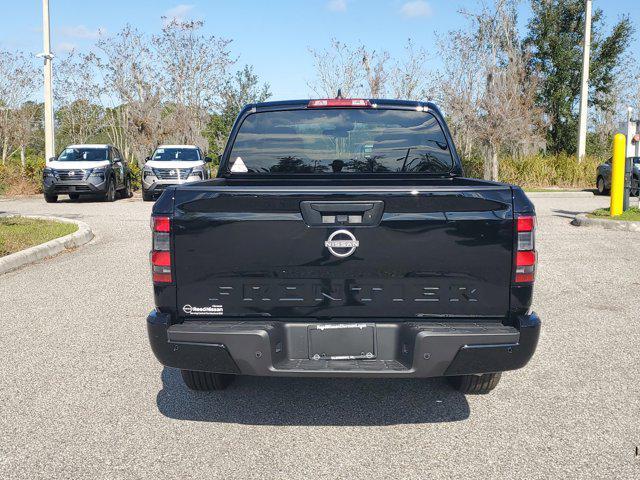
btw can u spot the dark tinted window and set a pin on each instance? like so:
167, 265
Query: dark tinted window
174, 154
83, 154
341, 141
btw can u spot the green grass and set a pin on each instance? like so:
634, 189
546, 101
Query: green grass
631, 215
17, 233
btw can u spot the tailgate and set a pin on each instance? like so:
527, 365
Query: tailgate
412, 252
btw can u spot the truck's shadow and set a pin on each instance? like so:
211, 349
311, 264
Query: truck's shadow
318, 401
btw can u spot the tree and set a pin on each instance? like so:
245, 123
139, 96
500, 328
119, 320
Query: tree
409, 76
244, 88
338, 67
487, 92
79, 117
26, 123
18, 83
359, 71
192, 72
131, 86
375, 71
554, 41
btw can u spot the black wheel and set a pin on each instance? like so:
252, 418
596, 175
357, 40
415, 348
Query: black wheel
147, 197
602, 189
126, 192
635, 187
204, 381
110, 196
475, 384
50, 198
74, 196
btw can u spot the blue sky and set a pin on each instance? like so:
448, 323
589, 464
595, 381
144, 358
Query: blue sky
272, 35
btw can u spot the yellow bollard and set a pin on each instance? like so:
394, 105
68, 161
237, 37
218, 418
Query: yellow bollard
617, 173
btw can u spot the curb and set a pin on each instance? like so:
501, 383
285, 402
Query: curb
47, 249
559, 194
581, 220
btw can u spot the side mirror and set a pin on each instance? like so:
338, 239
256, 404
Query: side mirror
208, 159
52, 159
147, 159
220, 159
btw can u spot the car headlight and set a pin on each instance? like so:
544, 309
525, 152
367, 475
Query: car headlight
147, 172
47, 172
98, 172
197, 173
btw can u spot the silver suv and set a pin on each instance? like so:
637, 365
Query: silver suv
172, 165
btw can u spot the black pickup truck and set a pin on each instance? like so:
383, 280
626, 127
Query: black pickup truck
340, 239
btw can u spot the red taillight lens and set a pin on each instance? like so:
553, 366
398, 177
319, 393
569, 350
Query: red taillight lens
161, 224
525, 266
339, 103
526, 255
161, 253
526, 224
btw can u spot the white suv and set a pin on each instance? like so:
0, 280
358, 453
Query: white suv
171, 165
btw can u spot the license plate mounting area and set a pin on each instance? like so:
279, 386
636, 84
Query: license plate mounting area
344, 341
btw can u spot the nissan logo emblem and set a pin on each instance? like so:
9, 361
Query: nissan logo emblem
342, 243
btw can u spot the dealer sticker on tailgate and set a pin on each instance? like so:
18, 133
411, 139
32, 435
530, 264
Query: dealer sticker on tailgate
209, 310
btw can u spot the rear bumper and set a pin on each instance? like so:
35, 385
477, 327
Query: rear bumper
403, 349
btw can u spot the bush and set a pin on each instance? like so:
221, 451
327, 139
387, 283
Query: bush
136, 175
535, 171
14, 182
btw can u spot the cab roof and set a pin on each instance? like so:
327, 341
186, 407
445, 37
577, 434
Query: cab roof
378, 102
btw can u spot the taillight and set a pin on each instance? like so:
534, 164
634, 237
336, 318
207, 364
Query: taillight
526, 246
339, 103
161, 250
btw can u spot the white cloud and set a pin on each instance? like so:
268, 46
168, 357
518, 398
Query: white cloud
337, 5
177, 13
416, 8
82, 32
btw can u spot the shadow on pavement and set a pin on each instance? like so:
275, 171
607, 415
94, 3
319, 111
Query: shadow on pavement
566, 213
314, 401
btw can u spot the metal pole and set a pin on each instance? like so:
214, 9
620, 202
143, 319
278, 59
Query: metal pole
49, 139
584, 87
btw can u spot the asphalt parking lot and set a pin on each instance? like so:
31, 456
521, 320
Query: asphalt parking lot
81, 395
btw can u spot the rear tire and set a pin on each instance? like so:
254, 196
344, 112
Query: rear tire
475, 384
635, 187
74, 196
147, 197
51, 198
206, 381
126, 192
600, 185
110, 195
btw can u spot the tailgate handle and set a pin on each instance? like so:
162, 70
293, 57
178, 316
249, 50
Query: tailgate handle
327, 214
335, 207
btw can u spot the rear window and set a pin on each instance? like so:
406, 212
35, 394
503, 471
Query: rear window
341, 141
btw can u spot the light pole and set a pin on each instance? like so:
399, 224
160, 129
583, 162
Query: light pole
49, 138
584, 87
